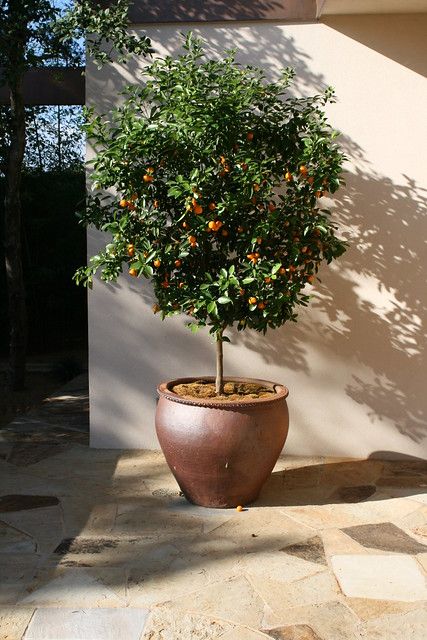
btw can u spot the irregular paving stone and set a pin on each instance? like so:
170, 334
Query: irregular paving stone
23, 455
17, 572
166, 624
86, 545
234, 600
311, 550
26, 502
281, 597
14, 541
404, 473
14, 621
367, 609
330, 620
87, 624
385, 536
294, 632
380, 577
407, 626
74, 588
353, 494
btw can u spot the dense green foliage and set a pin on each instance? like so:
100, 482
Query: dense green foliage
218, 175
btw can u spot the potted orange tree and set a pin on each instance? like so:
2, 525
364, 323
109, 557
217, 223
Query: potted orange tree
217, 175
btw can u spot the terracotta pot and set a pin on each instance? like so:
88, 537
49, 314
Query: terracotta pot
221, 453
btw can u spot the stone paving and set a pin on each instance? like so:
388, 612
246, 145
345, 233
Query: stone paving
99, 545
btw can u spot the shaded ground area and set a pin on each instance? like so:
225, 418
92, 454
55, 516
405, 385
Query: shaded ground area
45, 374
98, 544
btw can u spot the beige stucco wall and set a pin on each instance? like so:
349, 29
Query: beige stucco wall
355, 364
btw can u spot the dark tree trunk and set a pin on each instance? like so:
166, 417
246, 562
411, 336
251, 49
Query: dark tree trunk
12, 239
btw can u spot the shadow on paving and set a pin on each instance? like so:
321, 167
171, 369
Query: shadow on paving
80, 524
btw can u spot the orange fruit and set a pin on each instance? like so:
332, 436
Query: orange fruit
282, 271
185, 225
304, 250
288, 176
256, 187
244, 166
310, 279
131, 250
267, 280
218, 225
212, 206
252, 300
212, 225
157, 263
224, 233
240, 229
147, 178
165, 284
310, 180
319, 194
303, 170
271, 207
242, 292
180, 285
198, 210
222, 160
239, 508
133, 273
192, 239
249, 136
178, 263
259, 240
155, 308
261, 305
156, 204
150, 170
123, 203
287, 223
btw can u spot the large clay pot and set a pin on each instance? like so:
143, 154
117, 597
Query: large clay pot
221, 453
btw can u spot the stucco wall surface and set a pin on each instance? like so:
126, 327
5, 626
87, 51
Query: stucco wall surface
355, 363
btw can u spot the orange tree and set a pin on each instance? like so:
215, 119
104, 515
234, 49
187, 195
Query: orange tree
217, 175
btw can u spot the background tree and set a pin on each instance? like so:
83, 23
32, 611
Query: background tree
219, 176
35, 33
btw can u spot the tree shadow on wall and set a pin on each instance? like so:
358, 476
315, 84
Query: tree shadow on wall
265, 44
370, 308
211, 10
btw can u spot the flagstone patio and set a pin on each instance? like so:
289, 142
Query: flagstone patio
99, 545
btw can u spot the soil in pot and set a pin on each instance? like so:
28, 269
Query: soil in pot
233, 391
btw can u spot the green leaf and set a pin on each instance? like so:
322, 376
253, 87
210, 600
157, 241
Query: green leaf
212, 308
224, 300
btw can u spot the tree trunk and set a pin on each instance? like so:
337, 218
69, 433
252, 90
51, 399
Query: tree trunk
12, 239
219, 380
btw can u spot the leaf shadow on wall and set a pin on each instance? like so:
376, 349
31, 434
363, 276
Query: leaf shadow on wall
370, 309
213, 10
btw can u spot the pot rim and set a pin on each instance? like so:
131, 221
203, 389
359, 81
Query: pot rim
164, 390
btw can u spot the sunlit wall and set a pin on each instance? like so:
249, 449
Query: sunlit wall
355, 363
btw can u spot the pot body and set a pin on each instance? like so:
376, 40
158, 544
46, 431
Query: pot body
221, 453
